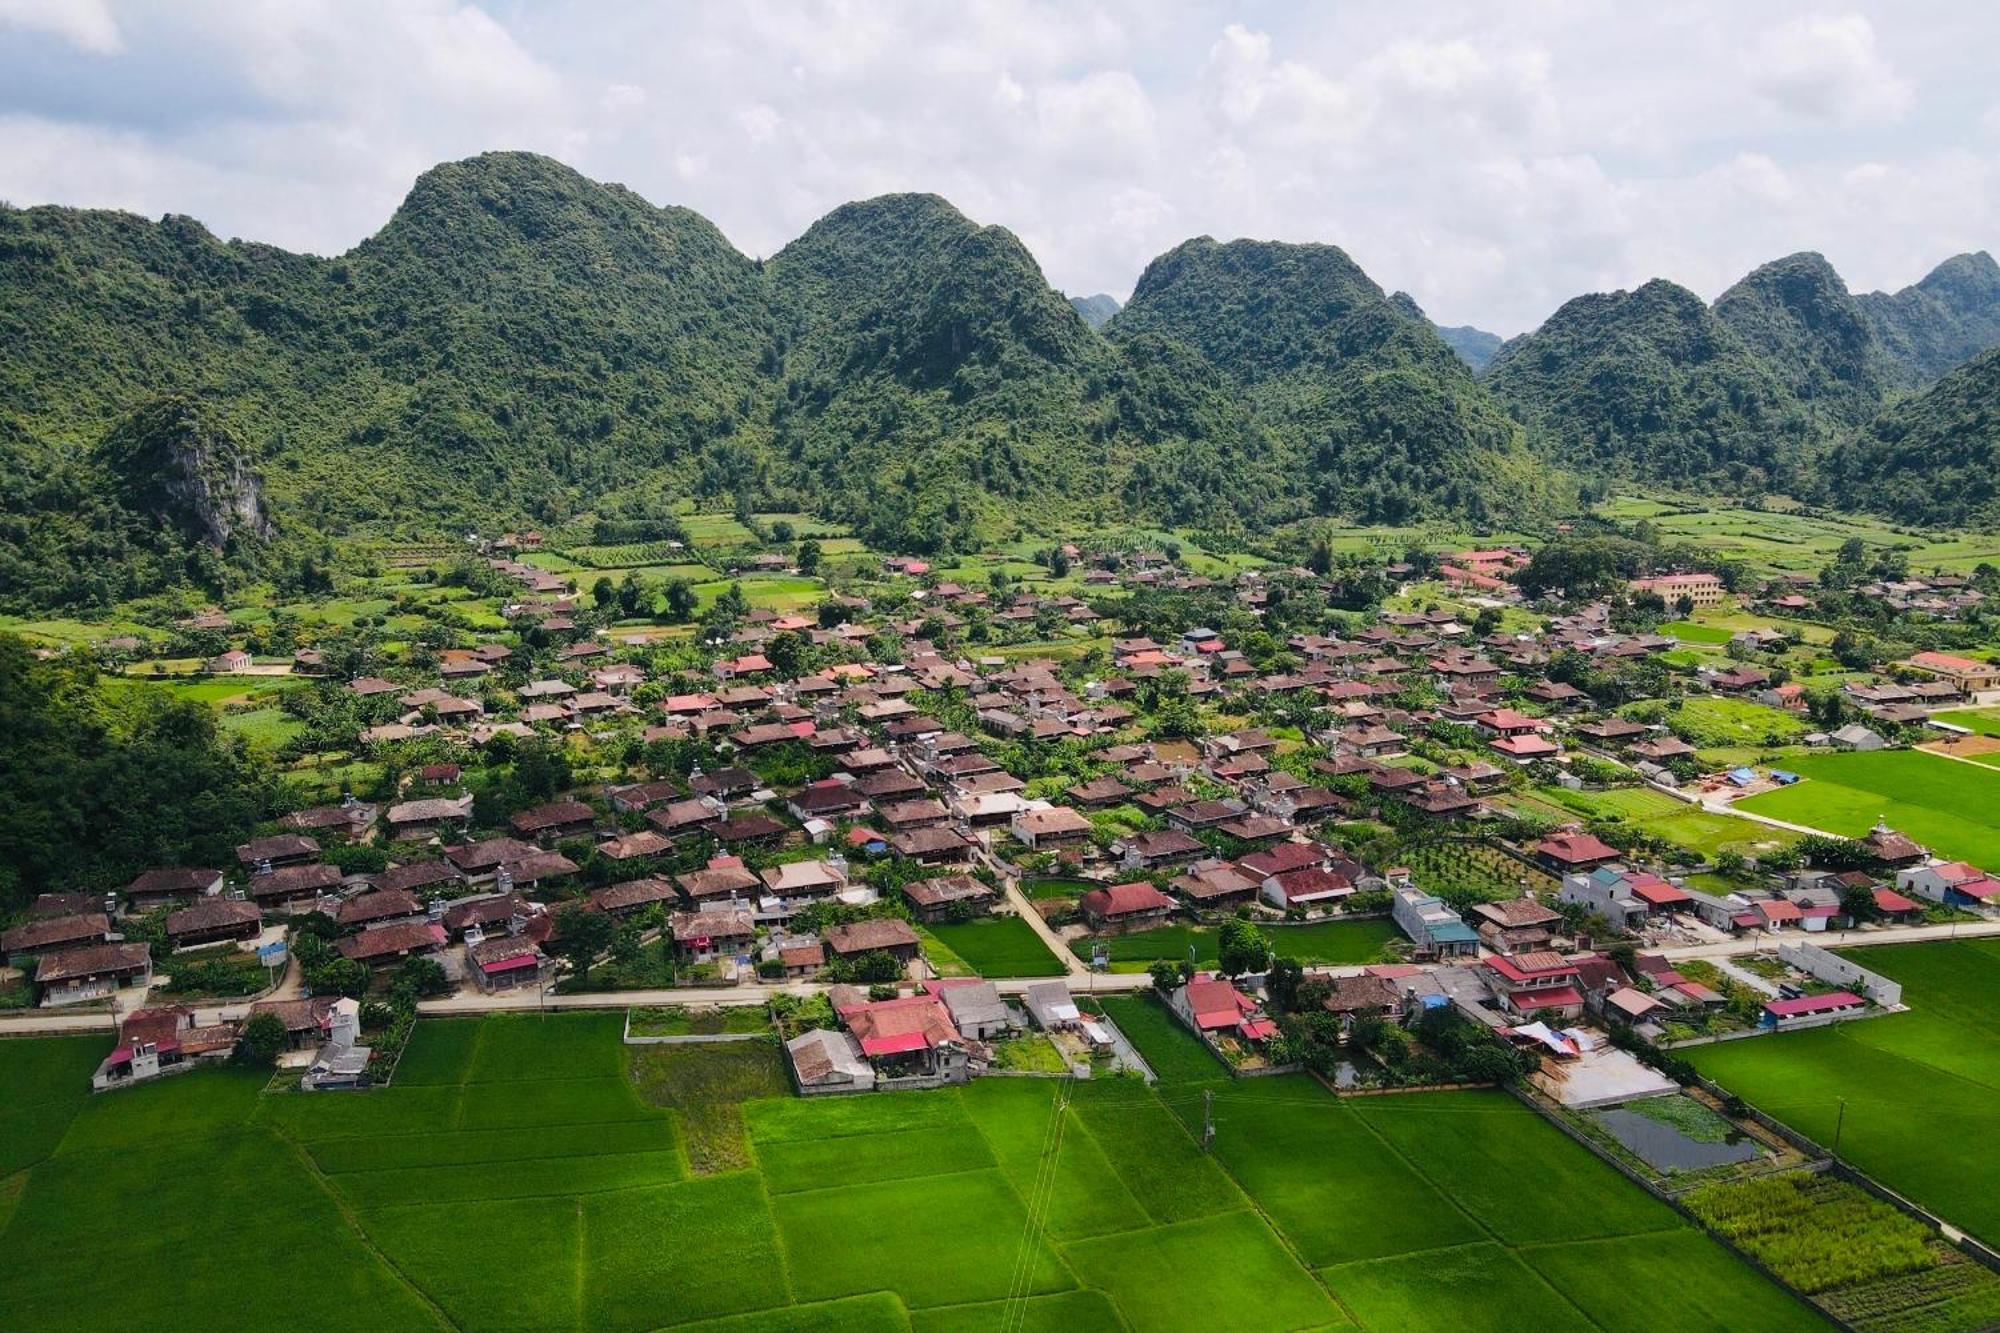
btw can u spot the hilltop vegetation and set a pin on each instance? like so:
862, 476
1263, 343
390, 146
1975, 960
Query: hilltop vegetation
1651, 385
1375, 416
1934, 458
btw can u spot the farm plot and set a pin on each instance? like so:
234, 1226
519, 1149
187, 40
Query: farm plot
1860, 1258
1329, 942
1952, 808
1001, 946
1887, 1084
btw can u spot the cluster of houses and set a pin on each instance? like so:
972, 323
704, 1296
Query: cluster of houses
943, 1032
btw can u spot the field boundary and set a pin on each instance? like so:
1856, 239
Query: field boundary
1970, 1245
1672, 1200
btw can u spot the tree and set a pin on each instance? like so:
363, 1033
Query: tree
581, 936
603, 592
338, 976
262, 1039
1166, 976
808, 557
1241, 947
681, 600
1283, 982
421, 977
1857, 903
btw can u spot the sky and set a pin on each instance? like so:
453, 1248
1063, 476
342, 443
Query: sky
1492, 159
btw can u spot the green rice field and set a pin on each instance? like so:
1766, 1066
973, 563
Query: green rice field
1950, 807
1328, 942
530, 1172
1912, 1084
1000, 946
1662, 816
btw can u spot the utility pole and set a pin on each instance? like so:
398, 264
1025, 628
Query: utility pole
1839, 1123
1207, 1118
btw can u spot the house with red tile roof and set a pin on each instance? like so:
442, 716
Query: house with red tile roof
1213, 1007
1133, 906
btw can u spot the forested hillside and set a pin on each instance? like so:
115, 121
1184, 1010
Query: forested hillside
1797, 315
1378, 417
1937, 324
1931, 459
1652, 386
519, 344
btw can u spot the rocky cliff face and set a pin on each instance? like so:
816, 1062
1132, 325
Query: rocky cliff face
177, 464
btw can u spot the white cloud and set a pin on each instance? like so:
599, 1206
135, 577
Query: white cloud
1830, 68
1492, 161
87, 24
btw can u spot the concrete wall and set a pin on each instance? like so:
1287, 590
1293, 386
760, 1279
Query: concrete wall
1837, 971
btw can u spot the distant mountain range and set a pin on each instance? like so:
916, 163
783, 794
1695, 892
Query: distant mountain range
1096, 310
520, 344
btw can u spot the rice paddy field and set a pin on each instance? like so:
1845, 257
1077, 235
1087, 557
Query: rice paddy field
530, 1172
1796, 542
1916, 1086
1953, 808
1001, 946
1703, 832
1328, 942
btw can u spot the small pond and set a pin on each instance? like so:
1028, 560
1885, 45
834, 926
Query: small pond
1668, 1147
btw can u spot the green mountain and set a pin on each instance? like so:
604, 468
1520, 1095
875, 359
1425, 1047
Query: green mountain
1797, 315
1952, 315
516, 342
931, 376
1367, 407
1652, 386
1096, 310
1933, 458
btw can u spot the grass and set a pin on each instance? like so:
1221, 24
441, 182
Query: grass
1661, 816
1952, 808
1167, 1047
1031, 1052
1000, 946
1712, 721
530, 1173
680, 1021
1981, 721
1901, 1079
706, 1085
1043, 889
1328, 942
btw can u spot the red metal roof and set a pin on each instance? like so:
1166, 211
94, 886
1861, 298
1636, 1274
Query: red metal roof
1812, 1004
1546, 999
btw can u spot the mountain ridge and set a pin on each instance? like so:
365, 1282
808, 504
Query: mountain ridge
520, 344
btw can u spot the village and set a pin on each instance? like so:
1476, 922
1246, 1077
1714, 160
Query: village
803, 816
